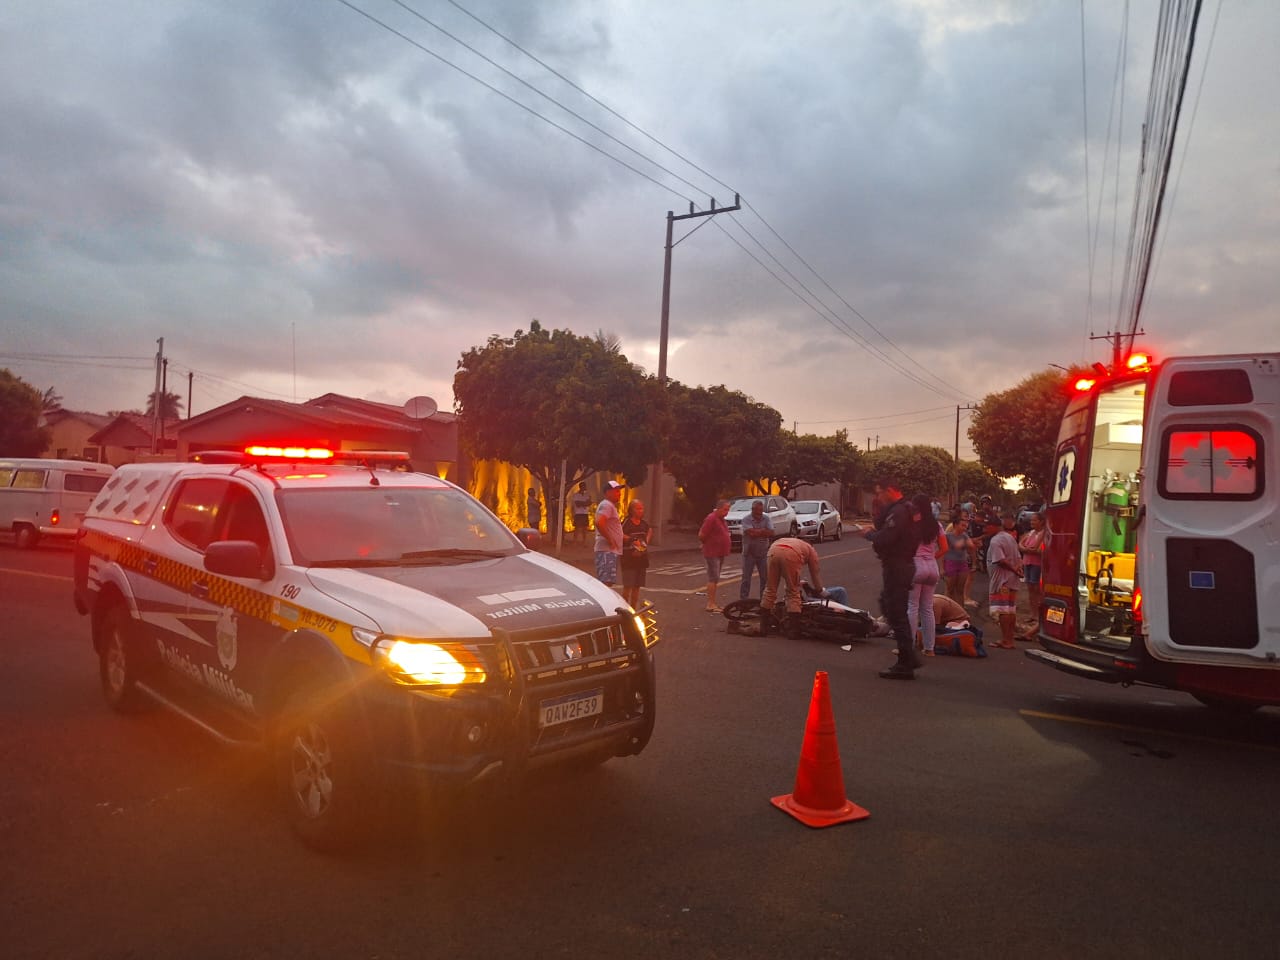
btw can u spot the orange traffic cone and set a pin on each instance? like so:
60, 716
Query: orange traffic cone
819, 799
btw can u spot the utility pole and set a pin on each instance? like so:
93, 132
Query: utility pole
657, 498
955, 465
1116, 339
155, 413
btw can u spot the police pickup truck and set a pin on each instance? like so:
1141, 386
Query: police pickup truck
366, 625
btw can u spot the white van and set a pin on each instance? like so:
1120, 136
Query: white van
47, 498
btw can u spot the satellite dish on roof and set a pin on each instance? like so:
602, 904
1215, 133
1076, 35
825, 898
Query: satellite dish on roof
419, 408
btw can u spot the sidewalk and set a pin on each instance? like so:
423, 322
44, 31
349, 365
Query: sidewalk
583, 554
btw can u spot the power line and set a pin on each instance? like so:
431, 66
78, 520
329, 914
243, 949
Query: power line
858, 339
683, 158
509, 98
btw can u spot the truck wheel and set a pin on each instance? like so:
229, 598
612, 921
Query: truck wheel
26, 536
322, 771
1226, 706
120, 661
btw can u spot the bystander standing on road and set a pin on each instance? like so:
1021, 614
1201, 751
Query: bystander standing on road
894, 539
757, 534
785, 558
933, 544
533, 507
957, 562
716, 545
636, 537
608, 546
1004, 572
580, 507
1031, 544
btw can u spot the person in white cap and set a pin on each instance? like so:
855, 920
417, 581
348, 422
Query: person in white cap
609, 533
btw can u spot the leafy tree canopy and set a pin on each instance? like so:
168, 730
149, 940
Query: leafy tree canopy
536, 398
718, 436
21, 407
975, 480
1015, 432
170, 405
916, 468
808, 459
51, 400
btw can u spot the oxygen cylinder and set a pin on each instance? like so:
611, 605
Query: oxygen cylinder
1115, 521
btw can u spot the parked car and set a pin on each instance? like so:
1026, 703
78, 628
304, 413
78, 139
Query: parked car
818, 519
777, 509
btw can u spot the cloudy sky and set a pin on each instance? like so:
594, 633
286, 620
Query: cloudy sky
301, 200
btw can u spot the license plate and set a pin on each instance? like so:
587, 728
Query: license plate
573, 706
1055, 614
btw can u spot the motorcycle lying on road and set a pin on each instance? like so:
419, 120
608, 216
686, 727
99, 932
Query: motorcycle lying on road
819, 619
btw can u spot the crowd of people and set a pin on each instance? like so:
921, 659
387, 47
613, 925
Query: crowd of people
919, 545
911, 538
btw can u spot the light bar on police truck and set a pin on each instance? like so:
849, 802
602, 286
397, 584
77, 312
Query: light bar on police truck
290, 453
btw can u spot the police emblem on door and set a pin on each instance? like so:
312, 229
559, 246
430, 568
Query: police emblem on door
226, 636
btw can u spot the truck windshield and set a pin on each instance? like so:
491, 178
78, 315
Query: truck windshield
389, 524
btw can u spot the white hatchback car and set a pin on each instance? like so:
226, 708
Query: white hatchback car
818, 520
777, 509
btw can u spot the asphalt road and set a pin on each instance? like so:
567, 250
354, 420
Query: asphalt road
1015, 812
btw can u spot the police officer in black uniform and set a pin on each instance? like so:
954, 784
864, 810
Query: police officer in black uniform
894, 539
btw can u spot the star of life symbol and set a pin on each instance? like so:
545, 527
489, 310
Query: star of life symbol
1066, 469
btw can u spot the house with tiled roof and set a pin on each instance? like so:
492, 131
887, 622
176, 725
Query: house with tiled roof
332, 420
130, 437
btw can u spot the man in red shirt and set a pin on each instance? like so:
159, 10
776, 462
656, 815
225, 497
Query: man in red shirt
716, 544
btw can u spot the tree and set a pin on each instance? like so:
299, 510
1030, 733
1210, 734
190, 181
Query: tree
975, 480
537, 398
1015, 433
808, 459
718, 437
915, 468
21, 408
170, 405
50, 400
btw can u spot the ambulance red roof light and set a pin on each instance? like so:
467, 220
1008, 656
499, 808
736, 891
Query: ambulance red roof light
1085, 384
290, 453
1138, 363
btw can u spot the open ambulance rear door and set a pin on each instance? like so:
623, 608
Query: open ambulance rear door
1208, 557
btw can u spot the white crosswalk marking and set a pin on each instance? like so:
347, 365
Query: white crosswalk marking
683, 570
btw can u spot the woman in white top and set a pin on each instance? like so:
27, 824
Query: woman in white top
933, 544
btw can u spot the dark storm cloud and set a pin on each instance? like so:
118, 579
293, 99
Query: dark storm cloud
280, 185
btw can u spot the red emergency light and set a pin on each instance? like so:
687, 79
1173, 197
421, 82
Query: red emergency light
290, 453
1085, 384
1138, 363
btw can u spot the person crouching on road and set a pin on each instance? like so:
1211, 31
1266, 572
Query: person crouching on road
894, 538
757, 534
784, 560
716, 544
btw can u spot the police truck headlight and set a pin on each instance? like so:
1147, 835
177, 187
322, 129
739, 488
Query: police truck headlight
437, 664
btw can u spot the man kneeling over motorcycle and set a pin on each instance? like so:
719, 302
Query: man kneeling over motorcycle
786, 556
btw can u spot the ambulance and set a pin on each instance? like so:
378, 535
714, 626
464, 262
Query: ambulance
1162, 563
377, 630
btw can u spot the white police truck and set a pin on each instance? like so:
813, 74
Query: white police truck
368, 625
